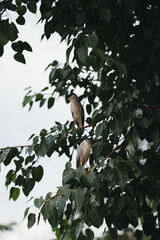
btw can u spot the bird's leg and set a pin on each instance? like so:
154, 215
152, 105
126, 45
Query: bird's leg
88, 169
81, 127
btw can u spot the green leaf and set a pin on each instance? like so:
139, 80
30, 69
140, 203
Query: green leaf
19, 180
107, 173
78, 195
68, 174
38, 202
155, 135
68, 165
29, 159
130, 5
3, 154
37, 173
61, 204
14, 193
67, 193
105, 15
39, 96
149, 224
27, 47
20, 20
46, 210
95, 216
5, 31
64, 73
21, 9
90, 176
100, 128
19, 57
32, 7
26, 212
13, 32
25, 1
117, 126
133, 216
80, 17
90, 234
78, 229
109, 109
2, 6
97, 182
91, 40
3, 39
42, 102
50, 102
88, 108
10, 177
11, 154
82, 53
120, 67
28, 186
17, 46
18, 2
68, 52
31, 220
120, 177
1, 50
53, 219
27, 100
79, 172
138, 234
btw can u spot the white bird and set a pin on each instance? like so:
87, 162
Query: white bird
77, 110
83, 153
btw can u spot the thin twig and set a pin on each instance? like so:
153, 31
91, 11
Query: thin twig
24, 146
89, 125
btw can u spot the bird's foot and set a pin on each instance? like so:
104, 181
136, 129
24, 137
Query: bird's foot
80, 128
87, 168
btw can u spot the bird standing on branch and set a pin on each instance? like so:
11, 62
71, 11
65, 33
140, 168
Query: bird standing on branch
83, 153
77, 110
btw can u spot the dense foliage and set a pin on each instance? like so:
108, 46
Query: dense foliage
113, 54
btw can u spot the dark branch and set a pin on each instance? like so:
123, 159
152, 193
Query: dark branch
119, 146
24, 146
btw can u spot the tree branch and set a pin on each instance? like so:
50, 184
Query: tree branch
29, 145
24, 146
119, 146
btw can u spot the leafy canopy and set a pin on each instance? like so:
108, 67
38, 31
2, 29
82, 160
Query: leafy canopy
113, 54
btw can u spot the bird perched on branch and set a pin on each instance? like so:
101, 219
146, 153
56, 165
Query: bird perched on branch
77, 110
83, 153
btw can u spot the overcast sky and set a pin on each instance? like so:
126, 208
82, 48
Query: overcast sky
17, 123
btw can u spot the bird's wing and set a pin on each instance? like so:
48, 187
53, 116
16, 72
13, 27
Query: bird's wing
74, 119
72, 114
79, 154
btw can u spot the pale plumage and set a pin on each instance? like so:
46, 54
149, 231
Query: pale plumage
77, 110
83, 153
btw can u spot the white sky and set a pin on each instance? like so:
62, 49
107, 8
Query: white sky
17, 123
